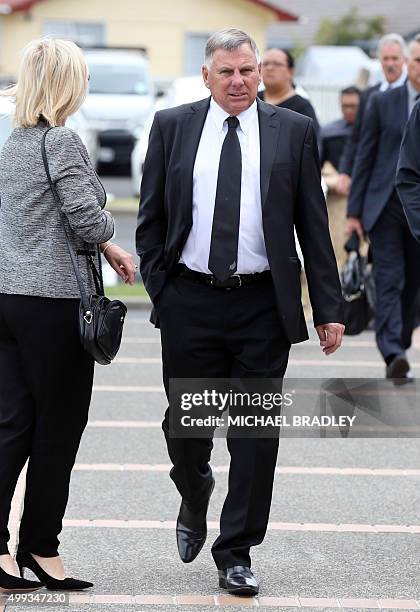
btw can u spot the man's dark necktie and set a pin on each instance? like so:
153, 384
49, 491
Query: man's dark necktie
225, 231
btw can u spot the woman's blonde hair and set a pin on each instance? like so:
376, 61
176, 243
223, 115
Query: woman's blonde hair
52, 82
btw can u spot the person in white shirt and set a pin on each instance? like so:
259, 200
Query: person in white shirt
225, 181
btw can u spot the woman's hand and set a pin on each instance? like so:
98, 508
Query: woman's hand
120, 261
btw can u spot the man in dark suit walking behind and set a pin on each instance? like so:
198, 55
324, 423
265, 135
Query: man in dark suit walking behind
408, 172
225, 181
391, 53
374, 207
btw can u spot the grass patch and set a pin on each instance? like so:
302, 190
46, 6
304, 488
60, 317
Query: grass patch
131, 204
122, 290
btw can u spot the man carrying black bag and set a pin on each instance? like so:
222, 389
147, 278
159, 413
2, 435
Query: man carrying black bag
374, 207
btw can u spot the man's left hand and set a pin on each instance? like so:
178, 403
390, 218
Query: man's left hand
330, 336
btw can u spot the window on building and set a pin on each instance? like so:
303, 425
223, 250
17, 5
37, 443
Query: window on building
82, 33
194, 53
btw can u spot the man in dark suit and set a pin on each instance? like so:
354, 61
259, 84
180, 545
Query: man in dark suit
408, 172
335, 135
225, 181
391, 53
374, 207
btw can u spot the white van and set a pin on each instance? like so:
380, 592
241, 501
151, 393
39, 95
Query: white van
76, 122
182, 90
120, 98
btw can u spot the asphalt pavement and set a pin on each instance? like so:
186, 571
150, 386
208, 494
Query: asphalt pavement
344, 528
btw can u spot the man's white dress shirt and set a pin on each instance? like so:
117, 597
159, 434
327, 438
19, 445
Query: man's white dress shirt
385, 85
252, 255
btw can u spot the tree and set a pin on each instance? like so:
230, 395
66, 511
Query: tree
349, 28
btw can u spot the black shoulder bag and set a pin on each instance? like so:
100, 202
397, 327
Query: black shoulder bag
100, 319
358, 289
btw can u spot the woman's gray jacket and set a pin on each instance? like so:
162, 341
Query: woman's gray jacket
34, 258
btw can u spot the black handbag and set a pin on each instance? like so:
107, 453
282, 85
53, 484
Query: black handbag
101, 320
358, 290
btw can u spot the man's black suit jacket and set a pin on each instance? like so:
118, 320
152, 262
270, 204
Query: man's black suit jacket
291, 195
350, 150
408, 172
373, 179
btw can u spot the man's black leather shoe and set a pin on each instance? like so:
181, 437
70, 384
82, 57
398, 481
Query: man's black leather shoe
238, 580
398, 369
191, 529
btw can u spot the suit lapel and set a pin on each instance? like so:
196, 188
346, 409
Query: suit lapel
192, 127
269, 133
401, 105
404, 101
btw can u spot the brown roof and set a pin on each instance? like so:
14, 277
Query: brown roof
12, 6
280, 13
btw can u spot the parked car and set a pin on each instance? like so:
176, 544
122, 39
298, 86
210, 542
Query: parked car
79, 123
6, 119
324, 70
332, 64
121, 96
76, 122
181, 91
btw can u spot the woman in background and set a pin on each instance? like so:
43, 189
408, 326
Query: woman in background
277, 69
45, 375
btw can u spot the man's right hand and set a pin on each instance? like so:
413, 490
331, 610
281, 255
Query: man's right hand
354, 225
343, 184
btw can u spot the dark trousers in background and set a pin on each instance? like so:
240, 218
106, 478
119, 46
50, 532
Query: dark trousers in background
396, 267
214, 333
45, 389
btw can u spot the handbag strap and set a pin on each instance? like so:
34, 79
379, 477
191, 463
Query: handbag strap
97, 276
82, 290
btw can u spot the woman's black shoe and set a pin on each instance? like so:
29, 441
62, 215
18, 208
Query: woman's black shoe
52, 584
13, 584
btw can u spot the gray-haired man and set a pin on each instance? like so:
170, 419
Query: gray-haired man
392, 53
375, 208
225, 181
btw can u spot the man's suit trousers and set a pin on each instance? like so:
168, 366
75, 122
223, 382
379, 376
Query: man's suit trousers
215, 333
45, 389
396, 267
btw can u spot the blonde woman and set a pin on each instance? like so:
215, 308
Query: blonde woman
46, 377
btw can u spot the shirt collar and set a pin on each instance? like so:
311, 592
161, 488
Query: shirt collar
385, 85
412, 91
245, 118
